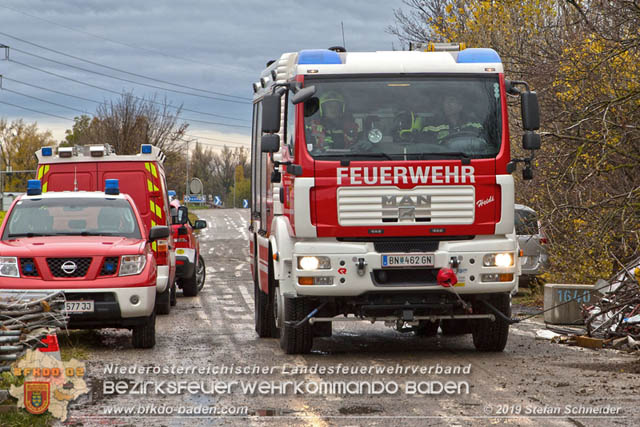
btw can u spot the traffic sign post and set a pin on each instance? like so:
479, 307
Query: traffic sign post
245, 203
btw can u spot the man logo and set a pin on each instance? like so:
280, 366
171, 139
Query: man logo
406, 208
36, 397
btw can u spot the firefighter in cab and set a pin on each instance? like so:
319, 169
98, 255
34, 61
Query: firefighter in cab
453, 121
334, 127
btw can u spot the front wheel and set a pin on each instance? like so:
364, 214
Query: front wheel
163, 301
190, 284
488, 335
174, 299
296, 340
201, 272
144, 336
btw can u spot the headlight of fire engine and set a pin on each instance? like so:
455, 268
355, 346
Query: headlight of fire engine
498, 260
132, 264
9, 266
314, 263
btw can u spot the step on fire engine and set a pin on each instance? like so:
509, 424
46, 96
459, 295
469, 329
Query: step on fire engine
382, 191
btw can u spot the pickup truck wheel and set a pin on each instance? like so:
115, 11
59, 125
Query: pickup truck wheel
427, 328
296, 340
163, 302
144, 336
190, 284
488, 335
174, 290
201, 272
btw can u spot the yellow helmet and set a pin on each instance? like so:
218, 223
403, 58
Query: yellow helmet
331, 96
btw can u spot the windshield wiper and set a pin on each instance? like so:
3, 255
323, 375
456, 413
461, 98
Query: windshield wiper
351, 156
85, 233
29, 234
464, 156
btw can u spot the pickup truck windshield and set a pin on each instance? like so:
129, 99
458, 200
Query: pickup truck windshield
70, 217
400, 118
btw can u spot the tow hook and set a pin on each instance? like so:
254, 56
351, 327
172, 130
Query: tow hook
361, 265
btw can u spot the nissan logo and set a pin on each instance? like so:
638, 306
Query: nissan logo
69, 267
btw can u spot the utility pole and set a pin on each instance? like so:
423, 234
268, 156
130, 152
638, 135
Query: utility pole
186, 186
235, 170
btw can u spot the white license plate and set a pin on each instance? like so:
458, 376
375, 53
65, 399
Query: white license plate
407, 260
84, 306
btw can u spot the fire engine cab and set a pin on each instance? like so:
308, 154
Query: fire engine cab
382, 190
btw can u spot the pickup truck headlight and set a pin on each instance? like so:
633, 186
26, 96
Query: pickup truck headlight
9, 266
498, 260
132, 264
308, 263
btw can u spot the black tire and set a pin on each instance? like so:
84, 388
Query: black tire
163, 302
190, 284
174, 291
296, 340
427, 328
456, 327
488, 335
144, 336
264, 315
201, 272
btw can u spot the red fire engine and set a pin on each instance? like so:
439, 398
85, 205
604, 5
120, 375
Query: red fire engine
382, 191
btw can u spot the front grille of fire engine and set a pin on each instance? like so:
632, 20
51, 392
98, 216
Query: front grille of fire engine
56, 266
28, 267
389, 206
400, 246
109, 266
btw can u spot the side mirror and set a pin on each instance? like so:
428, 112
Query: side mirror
173, 212
270, 143
183, 215
158, 232
295, 170
271, 113
200, 224
303, 94
531, 141
530, 110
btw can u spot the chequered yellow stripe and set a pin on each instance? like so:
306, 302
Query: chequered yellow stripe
159, 211
147, 167
154, 171
154, 247
44, 187
152, 206
153, 223
155, 188
149, 185
40, 172
46, 169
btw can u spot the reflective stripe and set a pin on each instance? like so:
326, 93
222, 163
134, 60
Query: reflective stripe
159, 211
147, 167
154, 171
152, 206
44, 187
149, 186
46, 169
40, 172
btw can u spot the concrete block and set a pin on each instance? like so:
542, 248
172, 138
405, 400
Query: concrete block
569, 300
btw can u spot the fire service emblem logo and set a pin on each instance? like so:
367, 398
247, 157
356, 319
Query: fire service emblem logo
36, 397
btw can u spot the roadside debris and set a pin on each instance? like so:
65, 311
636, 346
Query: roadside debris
26, 319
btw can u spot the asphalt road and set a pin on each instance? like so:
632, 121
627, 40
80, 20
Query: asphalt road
533, 382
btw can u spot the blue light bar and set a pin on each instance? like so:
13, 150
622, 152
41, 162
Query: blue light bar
111, 186
172, 193
318, 57
478, 55
34, 187
146, 149
47, 151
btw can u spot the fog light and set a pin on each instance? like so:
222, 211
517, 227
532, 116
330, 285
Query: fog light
305, 280
316, 280
314, 263
135, 299
496, 277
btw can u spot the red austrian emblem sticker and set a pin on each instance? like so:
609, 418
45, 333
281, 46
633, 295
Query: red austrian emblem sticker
36, 397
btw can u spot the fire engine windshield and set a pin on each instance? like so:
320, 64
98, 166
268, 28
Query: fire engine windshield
71, 217
403, 118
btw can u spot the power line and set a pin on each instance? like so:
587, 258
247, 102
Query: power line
51, 90
45, 101
118, 69
185, 119
155, 52
126, 80
36, 111
110, 90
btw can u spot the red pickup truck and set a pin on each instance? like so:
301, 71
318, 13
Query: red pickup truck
93, 246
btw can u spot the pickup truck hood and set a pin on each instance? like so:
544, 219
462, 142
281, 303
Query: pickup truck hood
71, 246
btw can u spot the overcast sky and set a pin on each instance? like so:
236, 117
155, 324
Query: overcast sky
210, 46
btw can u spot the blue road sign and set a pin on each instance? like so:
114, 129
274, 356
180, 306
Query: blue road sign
196, 199
245, 203
217, 201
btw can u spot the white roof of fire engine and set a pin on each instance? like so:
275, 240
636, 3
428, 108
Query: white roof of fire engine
73, 195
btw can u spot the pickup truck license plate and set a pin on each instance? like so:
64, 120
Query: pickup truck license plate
407, 260
84, 306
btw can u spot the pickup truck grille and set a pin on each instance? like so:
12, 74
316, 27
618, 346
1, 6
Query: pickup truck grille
68, 267
28, 267
110, 266
423, 205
